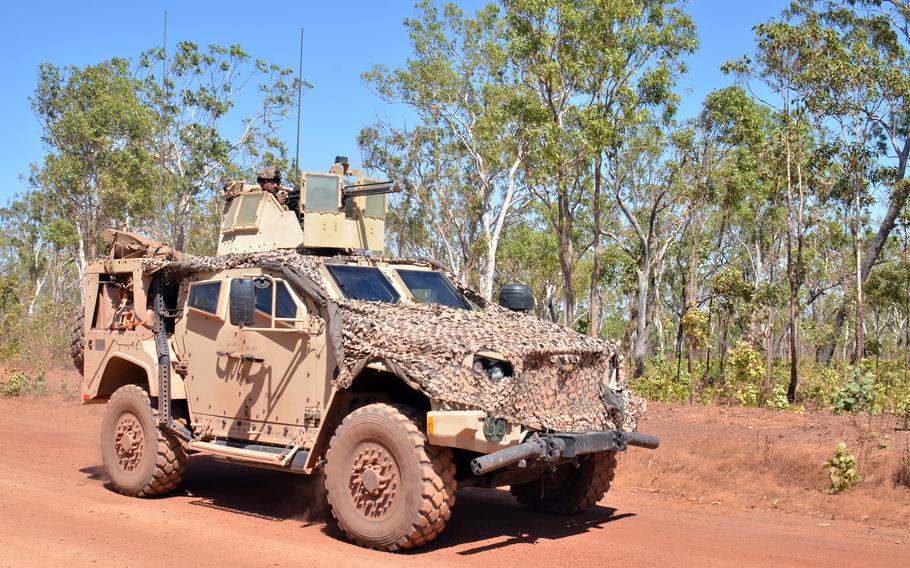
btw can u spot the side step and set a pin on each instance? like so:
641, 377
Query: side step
255, 453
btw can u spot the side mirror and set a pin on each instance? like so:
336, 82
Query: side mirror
242, 302
516, 297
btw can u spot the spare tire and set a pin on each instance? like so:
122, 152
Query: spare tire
77, 343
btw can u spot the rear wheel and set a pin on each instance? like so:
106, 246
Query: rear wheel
569, 489
388, 488
140, 459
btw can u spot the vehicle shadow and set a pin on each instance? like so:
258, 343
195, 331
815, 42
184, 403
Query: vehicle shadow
484, 514
262, 493
480, 515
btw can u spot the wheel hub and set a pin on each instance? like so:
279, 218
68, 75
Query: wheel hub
129, 442
374, 480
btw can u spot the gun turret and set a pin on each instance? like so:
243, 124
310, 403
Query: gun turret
323, 213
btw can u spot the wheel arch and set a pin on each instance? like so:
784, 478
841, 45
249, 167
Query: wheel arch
121, 370
372, 383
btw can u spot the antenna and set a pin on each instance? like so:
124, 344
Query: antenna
299, 94
163, 136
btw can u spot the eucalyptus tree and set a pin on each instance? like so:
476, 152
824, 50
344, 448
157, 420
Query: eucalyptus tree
98, 170
197, 107
459, 81
859, 80
432, 217
655, 202
724, 170
782, 63
594, 70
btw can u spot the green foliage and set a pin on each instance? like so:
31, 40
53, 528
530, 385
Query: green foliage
747, 394
747, 369
21, 384
660, 383
820, 383
695, 327
902, 409
857, 395
841, 470
98, 170
778, 400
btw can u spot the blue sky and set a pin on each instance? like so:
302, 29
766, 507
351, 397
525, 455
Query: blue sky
342, 41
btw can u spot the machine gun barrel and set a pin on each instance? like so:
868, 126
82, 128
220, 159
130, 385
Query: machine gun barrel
375, 188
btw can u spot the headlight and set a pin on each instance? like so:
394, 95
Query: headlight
496, 370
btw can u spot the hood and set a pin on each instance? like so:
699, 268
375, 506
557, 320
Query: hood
558, 373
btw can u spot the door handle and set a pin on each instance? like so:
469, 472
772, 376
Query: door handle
241, 356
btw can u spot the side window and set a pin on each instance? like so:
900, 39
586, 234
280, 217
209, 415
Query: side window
284, 303
204, 296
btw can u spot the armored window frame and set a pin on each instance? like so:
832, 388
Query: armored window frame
208, 308
302, 321
340, 273
320, 197
240, 206
375, 206
278, 292
407, 276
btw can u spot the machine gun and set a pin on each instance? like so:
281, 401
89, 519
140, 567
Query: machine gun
371, 188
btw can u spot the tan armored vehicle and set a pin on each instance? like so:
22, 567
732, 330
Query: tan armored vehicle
289, 351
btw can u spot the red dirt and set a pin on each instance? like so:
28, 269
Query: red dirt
728, 487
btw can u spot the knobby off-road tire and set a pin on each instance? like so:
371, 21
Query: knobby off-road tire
570, 489
139, 458
388, 488
77, 344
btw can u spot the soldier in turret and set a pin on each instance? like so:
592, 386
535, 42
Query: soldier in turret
267, 179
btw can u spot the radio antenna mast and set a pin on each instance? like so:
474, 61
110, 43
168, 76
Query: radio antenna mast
299, 95
163, 135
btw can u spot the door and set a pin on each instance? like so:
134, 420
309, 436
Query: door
262, 382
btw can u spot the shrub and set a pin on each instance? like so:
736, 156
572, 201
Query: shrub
841, 470
747, 371
21, 384
746, 365
778, 400
747, 395
857, 395
902, 409
819, 383
659, 382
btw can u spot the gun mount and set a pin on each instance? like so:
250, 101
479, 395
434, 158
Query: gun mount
324, 213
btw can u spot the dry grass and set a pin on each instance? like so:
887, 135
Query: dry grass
755, 458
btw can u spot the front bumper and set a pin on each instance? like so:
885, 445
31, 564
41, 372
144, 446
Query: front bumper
561, 446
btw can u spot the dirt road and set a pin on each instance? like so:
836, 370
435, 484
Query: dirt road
55, 510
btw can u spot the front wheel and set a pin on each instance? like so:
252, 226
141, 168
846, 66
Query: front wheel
388, 488
138, 457
570, 489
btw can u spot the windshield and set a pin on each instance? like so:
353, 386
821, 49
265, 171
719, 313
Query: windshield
363, 283
433, 288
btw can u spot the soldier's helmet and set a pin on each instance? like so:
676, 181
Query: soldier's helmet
268, 173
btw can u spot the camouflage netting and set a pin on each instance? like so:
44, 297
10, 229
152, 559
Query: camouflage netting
559, 373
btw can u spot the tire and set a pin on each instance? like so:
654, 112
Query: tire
139, 458
77, 343
569, 489
388, 488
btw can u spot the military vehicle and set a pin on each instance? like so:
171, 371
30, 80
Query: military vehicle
297, 349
